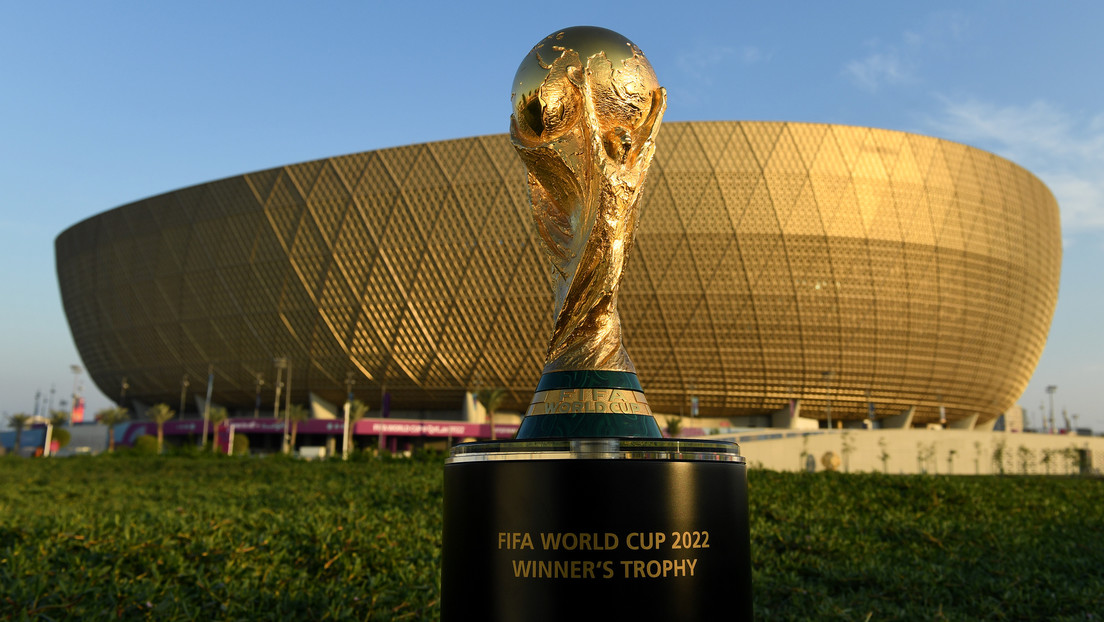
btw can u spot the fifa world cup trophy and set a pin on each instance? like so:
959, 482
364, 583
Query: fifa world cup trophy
586, 111
551, 525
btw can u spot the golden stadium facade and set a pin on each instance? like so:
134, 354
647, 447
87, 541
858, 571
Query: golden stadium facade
842, 265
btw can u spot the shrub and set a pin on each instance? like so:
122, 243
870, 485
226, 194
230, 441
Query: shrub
241, 445
61, 436
146, 444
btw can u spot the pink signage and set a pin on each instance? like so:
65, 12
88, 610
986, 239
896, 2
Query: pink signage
365, 427
436, 428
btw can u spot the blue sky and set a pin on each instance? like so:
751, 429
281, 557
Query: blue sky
105, 103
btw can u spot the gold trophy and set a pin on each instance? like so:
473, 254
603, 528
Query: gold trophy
589, 461
586, 111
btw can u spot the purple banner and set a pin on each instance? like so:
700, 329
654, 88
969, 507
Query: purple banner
414, 427
364, 427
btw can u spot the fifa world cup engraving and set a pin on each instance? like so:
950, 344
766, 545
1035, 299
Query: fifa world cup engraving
586, 110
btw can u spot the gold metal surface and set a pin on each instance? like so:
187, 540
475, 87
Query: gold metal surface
910, 267
587, 108
616, 401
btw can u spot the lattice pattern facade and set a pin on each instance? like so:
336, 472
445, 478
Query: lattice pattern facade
773, 261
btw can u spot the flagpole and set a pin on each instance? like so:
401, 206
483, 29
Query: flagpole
207, 403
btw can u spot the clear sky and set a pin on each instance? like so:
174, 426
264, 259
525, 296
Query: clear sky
104, 103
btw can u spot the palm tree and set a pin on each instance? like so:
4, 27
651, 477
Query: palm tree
491, 399
674, 426
112, 417
18, 422
58, 418
215, 416
295, 414
357, 410
160, 413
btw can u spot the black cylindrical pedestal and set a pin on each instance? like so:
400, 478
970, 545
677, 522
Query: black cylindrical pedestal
596, 529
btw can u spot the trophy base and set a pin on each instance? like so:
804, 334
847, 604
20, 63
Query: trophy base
596, 529
588, 404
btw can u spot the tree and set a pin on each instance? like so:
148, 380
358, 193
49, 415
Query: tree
18, 422
112, 417
357, 411
295, 414
998, 456
491, 399
58, 418
215, 416
160, 413
847, 448
1027, 459
884, 456
60, 436
674, 426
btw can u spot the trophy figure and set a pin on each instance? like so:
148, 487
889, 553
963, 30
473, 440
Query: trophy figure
551, 525
586, 110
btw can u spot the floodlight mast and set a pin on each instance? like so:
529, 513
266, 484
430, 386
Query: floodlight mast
281, 363
76, 369
345, 432
1050, 391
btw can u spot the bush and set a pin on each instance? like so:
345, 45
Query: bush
146, 444
187, 450
61, 436
241, 445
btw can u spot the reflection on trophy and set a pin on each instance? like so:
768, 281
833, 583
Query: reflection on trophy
586, 110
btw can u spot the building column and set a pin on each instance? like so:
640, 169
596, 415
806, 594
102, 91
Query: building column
986, 426
792, 421
321, 409
903, 420
471, 408
967, 423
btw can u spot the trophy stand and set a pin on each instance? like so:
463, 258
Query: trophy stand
589, 513
589, 529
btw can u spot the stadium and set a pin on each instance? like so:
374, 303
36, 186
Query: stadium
861, 273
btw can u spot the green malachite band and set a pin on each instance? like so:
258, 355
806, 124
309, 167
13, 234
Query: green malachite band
589, 379
588, 425
601, 419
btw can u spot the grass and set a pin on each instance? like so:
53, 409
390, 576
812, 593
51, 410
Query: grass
248, 539
177, 538
839, 547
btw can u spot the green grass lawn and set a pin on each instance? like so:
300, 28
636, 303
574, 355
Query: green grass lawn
242, 538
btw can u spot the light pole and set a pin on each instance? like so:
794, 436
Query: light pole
184, 383
257, 402
281, 363
76, 369
287, 410
1050, 391
123, 386
207, 402
828, 391
348, 404
287, 396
